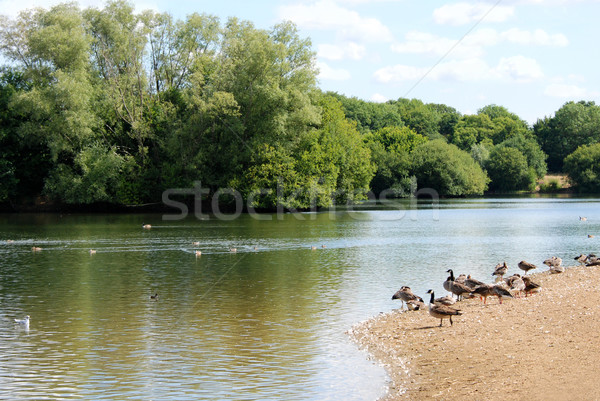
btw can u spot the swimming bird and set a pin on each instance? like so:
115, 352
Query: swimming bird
405, 294
582, 218
23, 322
500, 270
590, 236
441, 311
147, 226
531, 287
232, 250
198, 253
323, 246
10, 241
196, 243
501, 292
36, 249
526, 266
155, 296
454, 287
314, 248
92, 251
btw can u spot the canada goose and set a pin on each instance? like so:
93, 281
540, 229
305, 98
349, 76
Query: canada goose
155, 296
441, 311
526, 266
405, 294
92, 251
457, 289
501, 292
500, 270
530, 286
36, 249
516, 283
198, 253
482, 291
473, 283
447, 300
23, 322
146, 226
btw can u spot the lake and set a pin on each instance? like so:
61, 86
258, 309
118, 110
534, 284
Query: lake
266, 322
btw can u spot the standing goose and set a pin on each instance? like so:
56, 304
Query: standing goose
441, 311
526, 266
454, 287
555, 265
473, 283
482, 291
501, 292
531, 287
447, 300
516, 284
500, 270
405, 294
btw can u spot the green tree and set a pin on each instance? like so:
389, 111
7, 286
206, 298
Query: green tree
447, 169
471, 130
528, 146
508, 170
583, 168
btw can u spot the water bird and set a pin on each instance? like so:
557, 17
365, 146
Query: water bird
557, 269
516, 283
526, 266
446, 300
482, 291
415, 305
314, 248
146, 226
232, 250
405, 294
454, 287
196, 243
441, 311
473, 283
531, 287
582, 218
590, 236
36, 249
92, 251
582, 259
198, 253
500, 270
10, 241
553, 262
23, 322
323, 246
155, 296
501, 292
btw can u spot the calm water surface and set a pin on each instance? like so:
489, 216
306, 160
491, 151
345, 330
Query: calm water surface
264, 323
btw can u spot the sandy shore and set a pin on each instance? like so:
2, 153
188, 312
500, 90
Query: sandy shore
544, 347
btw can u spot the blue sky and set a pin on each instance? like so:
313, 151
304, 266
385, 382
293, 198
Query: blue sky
530, 56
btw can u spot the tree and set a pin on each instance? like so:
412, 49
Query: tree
583, 168
508, 170
418, 116
471, 130
532, 151
447, 169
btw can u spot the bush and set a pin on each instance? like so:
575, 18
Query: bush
583, 168
508, 170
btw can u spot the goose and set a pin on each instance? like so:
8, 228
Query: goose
146, 226
526, 266
461, 279
473, 283
92, 251
441, 311
501, 292
23, 322
500, 270
233, 250
530, 286
581, 258
415, 305
10, 241
155, 296
198, 253
482, 291
555, 265
405, 294
36, 249
582, 218
557, 269
516, 283
323, 246
447, 300
196, 243
590, 236
457, 289
592, 260
314, 248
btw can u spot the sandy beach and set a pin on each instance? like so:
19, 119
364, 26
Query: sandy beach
543, 347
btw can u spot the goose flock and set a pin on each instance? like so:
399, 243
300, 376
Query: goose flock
514, 286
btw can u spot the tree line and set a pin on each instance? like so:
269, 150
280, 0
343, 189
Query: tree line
108, 105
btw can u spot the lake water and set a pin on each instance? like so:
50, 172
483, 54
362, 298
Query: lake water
267, 322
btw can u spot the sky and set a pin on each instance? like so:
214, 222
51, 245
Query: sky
530, 56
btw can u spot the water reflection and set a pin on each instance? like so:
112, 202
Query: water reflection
266, 322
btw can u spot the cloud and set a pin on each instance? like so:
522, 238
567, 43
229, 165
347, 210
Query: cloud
328, 73
464, 13
536, 37
378, 98
327, 15
568, 91
346, 51
512, 69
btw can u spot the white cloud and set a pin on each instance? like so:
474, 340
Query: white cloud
464, 13
378, 98
327, 15
328, 73
346, 51
536, 37
512, 69
568, 91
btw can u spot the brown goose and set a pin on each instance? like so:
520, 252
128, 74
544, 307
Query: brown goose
582, 259
456, 288
530, 286
415, 305
447, 300
441, 311
405, 294
516, 283
473, 283
482, 291
500, 270
501, 292
526, 266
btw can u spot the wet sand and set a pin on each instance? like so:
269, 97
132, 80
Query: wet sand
543, 347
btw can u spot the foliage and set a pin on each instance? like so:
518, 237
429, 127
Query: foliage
508, 170
447, 169
583, 168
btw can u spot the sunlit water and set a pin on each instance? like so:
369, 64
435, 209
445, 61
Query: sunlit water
265, 322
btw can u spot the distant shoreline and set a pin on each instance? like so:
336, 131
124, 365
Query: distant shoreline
537, 347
